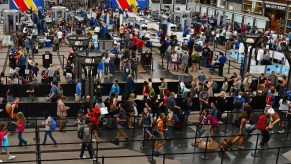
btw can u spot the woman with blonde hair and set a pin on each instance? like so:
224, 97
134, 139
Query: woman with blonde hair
210, 85
12, 109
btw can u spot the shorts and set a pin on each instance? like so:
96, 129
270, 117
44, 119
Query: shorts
174, 62
160, 139
68, 75
95, 127
77, 98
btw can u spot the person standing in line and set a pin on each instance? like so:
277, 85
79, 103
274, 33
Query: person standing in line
53, 96
115, 88
78, 94
264, 126
121, 124
11, 91
48, 131
62, 112
86, 141
160, 142
20, 124
27, 45
4, 141
51, 71
106, 61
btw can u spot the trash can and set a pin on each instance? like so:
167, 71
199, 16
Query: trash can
41, 43
47, 59
48, 43
146, 58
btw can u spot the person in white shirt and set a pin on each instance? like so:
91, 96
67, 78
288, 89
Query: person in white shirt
60, 36
183, 89
260, 55
174, 61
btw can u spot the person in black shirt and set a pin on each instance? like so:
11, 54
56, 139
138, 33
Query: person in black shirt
247, 95
205, 53
68, 73
248, 109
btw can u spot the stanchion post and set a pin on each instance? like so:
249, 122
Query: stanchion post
256, 147
102, 159
228, 67
287, 135
226, 122
38, 153
133, 130
205, 152
278, 153
153, 149
143, 141
167, 63
164, 158
97, 150
195, 139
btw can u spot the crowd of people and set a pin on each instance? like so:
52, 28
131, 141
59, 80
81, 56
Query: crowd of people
160, 114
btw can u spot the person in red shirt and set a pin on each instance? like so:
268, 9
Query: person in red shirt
140, 45
162, 36
94, 118
134, 41
264, 127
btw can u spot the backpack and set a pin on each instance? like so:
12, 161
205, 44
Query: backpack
152, 90
53, 124
215, 86
196, 57
80, 132
188, 84
214, 122
269, 99
237, 103
262, 122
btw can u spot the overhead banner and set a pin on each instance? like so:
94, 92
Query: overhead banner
35, 5
126, 4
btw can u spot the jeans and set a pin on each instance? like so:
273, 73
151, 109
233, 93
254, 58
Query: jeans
186, 113
169, 132
106, 66
126, 76
89, 148
9, 99
49, 133
266, 137
21, 140
134, 72
286, 127
111, 67
203, 60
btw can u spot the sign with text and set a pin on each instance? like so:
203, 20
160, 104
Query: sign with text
276, 7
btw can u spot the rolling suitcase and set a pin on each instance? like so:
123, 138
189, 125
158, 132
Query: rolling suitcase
227, 143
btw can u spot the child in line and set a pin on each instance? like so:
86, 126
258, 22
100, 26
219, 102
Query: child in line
4, 141
20, 128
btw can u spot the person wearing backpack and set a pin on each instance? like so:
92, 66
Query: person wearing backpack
84, 133
205, 129
188, 103
238, 103
49, 127
195, 61
126, 70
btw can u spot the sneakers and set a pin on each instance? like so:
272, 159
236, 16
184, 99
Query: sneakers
1, 161
94, 140
93, 159
241, 147
11, 157
84, 157
27, 143
281, 131
260, 146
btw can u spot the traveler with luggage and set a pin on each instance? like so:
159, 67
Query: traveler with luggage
84, 134
49, 127
147, 123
